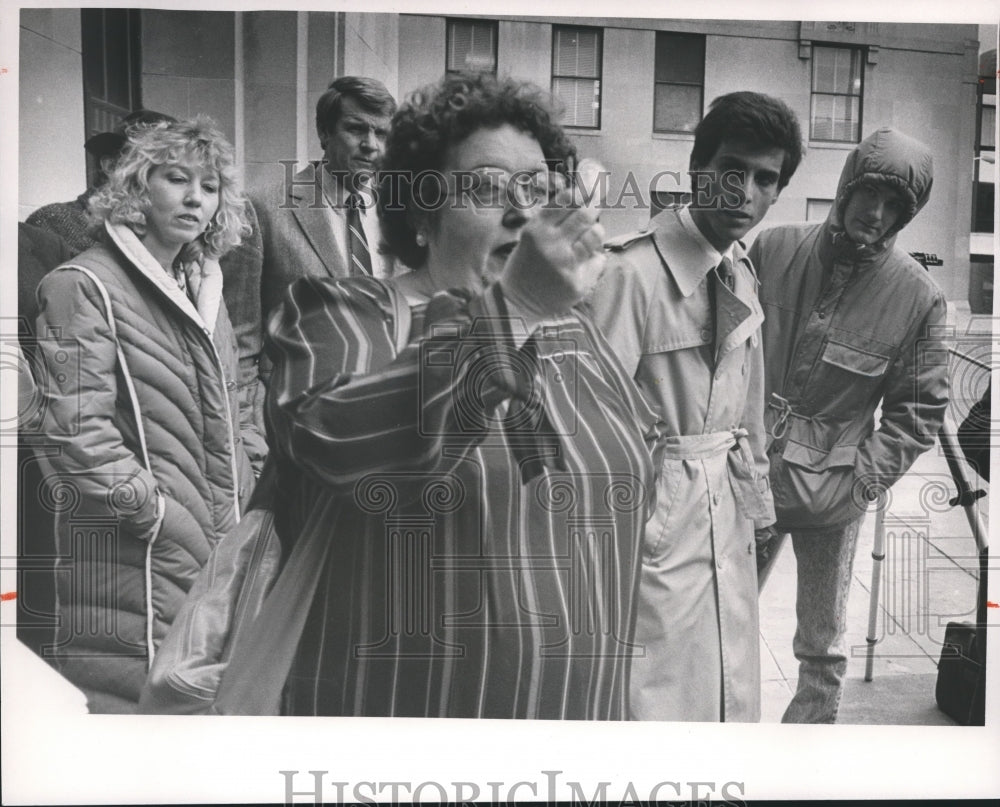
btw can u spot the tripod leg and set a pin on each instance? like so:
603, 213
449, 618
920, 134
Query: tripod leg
878, 555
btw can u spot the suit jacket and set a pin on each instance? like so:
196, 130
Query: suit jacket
298, 241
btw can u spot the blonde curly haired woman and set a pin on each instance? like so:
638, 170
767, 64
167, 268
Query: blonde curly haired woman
145, 457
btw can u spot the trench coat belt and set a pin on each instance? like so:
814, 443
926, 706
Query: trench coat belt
739, 463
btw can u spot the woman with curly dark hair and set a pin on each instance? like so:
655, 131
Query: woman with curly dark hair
145, 449
461, 439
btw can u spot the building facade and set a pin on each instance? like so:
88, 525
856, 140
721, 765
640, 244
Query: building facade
981, 249
632, 90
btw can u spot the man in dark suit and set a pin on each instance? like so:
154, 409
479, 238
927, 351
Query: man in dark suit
326, 223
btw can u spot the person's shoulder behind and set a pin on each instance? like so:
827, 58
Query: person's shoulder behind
909, 273
784, 234
55, 211
772, 249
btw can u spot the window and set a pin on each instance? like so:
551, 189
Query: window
680, 82
835, 112
576, 74
982, 200
988, 127
983, 209
472, 46
818, 209
110, 54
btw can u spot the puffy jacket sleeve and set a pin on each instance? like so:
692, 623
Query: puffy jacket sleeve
914, 403
80, 396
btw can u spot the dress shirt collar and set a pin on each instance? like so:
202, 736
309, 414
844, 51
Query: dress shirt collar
688, 254
337, 195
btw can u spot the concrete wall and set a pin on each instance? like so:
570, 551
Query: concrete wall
290, 58
421, 51
924, 95
920, 82
772, 66
325, 63
371, 47
187, 65
52, 164
524, 50
270, 70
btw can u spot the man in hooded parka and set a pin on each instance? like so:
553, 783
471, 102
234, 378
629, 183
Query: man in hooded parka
851, 322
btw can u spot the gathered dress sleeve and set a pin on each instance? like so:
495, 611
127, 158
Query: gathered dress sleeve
342, 405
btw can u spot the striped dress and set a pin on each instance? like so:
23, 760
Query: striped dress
484, 506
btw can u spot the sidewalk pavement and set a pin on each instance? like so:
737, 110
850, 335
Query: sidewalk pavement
928, 579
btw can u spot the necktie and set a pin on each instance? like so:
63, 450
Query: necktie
725, 273
723, 277
361, 259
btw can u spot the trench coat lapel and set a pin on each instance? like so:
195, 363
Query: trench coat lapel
738, 315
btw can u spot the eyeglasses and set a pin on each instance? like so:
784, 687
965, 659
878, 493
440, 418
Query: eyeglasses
496, 187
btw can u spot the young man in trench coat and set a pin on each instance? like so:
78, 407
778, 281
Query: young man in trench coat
678, 303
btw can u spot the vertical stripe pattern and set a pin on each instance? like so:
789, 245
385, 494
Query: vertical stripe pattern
459, 586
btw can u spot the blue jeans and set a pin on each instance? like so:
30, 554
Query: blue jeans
824, 562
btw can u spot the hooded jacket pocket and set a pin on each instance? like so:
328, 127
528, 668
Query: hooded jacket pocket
855, 359
844, 384
813, 487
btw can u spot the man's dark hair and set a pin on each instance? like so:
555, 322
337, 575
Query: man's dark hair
370, 94
758, 120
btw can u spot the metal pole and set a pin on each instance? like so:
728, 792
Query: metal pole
970, 360
878, 555
966, 496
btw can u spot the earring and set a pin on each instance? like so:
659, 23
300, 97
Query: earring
421, 240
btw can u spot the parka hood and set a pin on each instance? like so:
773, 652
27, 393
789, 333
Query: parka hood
892, 158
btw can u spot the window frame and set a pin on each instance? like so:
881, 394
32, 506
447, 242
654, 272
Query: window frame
983, 205
101, 112
599, 78
862, 52
657, 82
818, 200
981, 146
453, 21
